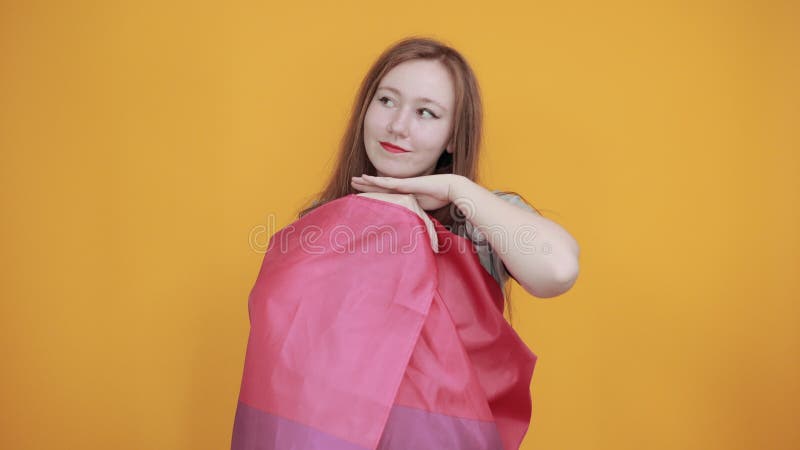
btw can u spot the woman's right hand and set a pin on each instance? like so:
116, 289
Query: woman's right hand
410, 202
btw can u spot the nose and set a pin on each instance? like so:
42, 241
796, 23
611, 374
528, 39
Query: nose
399, 123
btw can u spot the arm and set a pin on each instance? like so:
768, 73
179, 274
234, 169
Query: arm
538, 253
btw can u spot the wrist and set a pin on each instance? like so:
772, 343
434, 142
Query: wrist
456, 187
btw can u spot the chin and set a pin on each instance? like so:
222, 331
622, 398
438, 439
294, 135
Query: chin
389, 167
395, 173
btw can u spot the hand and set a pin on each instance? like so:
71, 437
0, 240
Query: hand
410, 202
431, 191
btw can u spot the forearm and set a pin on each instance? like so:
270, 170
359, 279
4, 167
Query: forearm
538, 253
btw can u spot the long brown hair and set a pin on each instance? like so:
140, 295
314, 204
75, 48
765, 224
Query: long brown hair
466, 131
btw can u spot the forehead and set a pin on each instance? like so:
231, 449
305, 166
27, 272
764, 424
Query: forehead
421, 78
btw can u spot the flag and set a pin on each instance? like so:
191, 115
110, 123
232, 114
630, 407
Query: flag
364, 338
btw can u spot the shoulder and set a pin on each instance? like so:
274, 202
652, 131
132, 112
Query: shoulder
515, 199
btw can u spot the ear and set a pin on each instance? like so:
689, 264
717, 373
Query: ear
449, 149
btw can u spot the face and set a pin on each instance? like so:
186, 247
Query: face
412, 109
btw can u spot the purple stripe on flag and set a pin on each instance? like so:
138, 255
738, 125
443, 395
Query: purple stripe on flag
407, 429
254, 429
416, 429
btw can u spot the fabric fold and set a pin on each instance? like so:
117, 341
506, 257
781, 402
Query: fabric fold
362, 337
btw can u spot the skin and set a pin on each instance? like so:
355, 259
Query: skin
402, 118
545, 266
413, 109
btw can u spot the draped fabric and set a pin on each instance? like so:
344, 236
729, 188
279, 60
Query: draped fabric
364, 338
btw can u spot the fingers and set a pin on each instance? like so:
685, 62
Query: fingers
394, 184
432, 193
430, 228
362, 186
434, 237
410, 201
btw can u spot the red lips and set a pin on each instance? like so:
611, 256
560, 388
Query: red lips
393, 148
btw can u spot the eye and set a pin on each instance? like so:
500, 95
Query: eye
385, 99
429, 112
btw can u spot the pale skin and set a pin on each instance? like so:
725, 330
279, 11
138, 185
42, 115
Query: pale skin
412, 109
543, 273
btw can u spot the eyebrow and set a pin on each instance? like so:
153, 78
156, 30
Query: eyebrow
424, 99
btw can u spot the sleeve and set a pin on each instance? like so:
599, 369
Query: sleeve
490, 260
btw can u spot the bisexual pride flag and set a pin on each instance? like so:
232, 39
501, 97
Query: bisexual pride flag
362, 337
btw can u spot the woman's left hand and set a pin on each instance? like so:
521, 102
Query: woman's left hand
431, 191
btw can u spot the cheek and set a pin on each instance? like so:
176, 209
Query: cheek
435, 136
373, 119
375, 116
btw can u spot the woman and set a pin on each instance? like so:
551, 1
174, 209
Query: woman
416, 128
354, 350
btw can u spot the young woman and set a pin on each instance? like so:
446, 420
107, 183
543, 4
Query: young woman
378, 350
416, 128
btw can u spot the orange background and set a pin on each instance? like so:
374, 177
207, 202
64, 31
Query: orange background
149, 148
